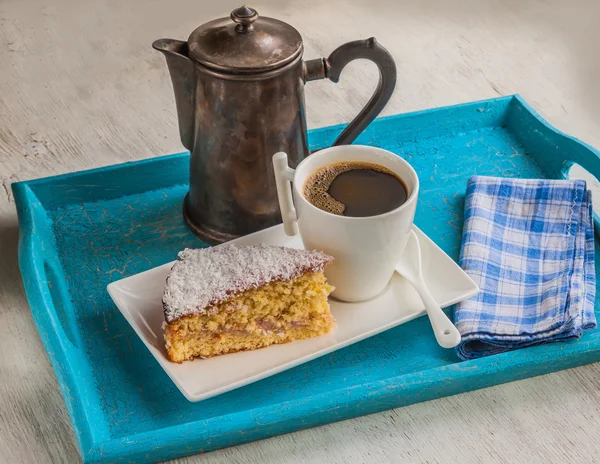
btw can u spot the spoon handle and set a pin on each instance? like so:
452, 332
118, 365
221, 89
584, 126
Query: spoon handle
446, 334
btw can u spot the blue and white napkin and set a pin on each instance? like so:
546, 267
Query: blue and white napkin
529, 245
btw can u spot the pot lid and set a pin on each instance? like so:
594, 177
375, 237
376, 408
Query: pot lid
245, 43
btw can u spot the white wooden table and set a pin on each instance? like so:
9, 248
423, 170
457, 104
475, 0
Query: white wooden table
80, 87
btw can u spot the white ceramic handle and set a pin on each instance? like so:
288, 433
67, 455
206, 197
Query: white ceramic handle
283, 178
446, 334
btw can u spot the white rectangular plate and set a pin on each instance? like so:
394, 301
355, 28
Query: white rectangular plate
139, 298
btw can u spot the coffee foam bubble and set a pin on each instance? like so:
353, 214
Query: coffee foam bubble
317, 184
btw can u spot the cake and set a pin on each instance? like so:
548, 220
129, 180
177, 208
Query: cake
229, 298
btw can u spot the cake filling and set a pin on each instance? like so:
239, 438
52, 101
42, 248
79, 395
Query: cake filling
279, 312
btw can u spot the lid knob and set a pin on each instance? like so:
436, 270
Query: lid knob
244, 17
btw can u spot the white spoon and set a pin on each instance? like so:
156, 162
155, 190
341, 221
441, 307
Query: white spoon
411, 269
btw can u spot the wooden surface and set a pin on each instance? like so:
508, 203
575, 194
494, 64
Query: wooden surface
81, 88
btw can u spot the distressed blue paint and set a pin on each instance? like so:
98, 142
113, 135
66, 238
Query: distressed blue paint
81, 231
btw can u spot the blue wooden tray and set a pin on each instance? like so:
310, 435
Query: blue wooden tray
81, 231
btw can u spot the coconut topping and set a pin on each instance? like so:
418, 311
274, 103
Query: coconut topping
202, 278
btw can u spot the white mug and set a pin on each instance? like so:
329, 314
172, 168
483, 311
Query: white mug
365, 249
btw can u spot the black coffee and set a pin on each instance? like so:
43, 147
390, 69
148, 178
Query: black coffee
355, 189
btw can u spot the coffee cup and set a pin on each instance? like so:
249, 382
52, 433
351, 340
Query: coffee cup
365, 249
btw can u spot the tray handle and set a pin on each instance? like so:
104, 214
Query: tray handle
56, 302
552, 148
43, 279
45, 289
588, 175
66, 357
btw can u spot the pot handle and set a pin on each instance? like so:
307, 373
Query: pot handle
332, 67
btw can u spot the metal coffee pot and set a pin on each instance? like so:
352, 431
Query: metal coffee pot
239, 91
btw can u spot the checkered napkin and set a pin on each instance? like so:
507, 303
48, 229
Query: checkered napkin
529, 245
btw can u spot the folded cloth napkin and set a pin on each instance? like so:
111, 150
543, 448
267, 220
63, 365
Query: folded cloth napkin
529, 245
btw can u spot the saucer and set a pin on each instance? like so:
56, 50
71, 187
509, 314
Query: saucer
139, 298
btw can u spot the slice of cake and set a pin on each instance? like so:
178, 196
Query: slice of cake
226, 299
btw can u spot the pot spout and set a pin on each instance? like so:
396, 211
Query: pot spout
183, 76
